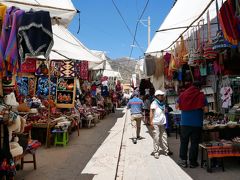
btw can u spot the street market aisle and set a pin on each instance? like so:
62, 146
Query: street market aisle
139, 164
94, 154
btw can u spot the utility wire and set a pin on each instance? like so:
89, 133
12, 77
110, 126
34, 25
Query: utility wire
129, 30
136, 28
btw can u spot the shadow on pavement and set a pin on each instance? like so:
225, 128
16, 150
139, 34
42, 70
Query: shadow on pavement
68, 162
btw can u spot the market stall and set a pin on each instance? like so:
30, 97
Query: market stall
201, 45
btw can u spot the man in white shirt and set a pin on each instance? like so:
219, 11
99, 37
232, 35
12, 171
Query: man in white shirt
157, 122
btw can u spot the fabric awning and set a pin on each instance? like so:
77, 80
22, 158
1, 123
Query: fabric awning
67, 45
64, 10
182, 14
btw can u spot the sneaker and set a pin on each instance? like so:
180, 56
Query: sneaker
134, 141
156, 155
193, 165
183, 163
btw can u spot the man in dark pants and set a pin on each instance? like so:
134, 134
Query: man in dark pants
193, 104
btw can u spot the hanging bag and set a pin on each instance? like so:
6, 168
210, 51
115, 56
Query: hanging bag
219, 43
183, 52
196, 55
209, 53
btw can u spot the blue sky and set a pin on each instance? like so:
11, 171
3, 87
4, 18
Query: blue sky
103, 29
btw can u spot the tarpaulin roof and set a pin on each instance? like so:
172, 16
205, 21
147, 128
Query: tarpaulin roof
104, 65
66, 45
182, 15
62, 9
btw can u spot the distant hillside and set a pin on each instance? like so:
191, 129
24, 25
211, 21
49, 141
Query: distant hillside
125, 66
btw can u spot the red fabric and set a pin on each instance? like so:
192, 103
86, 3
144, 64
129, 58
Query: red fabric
29, 66
191, 99
228, 22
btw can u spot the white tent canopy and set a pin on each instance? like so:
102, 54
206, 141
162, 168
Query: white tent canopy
182, 14
62, 9
111, 73
66, 45
104, 65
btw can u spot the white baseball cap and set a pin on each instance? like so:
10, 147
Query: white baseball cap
159, 92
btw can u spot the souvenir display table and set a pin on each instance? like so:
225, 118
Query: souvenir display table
217, 150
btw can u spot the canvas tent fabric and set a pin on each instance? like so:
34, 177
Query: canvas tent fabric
67, 45
104, 65
64, 10
183, 13
110, 73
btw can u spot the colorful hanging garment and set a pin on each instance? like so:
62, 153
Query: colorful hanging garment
3, 9
81, 69
56, 67
9, 57
31, 86
29, 66
67, 69
35, 34
229, 22
22, 86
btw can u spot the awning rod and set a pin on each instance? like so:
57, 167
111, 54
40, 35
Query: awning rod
180, 27
191, 24
37, 5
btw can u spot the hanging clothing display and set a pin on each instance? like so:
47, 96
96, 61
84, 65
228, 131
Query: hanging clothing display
229, 22
35, 34
67, 69
150, 65
81, 69
226, 93
9, 57
3, 9
29, 66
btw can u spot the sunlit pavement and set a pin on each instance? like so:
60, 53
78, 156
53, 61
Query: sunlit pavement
107, 152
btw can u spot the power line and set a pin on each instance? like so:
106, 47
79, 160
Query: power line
136, 28
129, 30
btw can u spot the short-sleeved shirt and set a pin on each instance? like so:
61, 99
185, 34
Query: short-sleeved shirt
192, 117
135, 105
159, 117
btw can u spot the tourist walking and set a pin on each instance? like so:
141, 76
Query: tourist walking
135, 105
157, 122
193, 104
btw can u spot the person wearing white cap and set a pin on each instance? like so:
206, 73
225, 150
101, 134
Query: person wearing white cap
157, 122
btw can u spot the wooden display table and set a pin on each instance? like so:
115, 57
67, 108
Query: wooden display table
217, 151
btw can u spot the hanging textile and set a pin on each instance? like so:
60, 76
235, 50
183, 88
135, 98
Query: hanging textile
22, 86
150, 65
9, 57
81, 69
35, 34
56, 67
29, 66
209, 53
31, 86
67, 69
219, 42
229, 22
3, 9
159, 67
